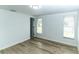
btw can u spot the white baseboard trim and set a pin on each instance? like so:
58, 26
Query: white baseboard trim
57, 41
16, 43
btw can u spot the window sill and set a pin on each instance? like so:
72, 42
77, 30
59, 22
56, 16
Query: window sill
69, 38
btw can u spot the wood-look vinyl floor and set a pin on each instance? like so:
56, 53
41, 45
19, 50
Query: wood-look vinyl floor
39, 46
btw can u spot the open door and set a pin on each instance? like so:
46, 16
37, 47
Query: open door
31, 27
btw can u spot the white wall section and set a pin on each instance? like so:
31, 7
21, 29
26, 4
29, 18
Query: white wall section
53, 27
14, 28
78, 33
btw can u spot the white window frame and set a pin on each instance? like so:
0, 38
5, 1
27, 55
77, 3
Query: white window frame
73, 26
39, 32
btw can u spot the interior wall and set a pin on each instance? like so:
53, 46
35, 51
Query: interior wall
53, 26
14, 28
78, 33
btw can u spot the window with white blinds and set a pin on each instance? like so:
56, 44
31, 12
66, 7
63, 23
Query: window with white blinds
69, 26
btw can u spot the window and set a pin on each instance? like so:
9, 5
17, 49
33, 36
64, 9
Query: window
69, 26
39, 25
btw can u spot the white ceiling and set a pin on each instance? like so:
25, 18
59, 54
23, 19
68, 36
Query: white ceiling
45, 9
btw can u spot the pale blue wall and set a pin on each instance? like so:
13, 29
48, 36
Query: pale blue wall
14, 28
53, 26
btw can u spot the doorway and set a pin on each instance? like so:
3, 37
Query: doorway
32, 27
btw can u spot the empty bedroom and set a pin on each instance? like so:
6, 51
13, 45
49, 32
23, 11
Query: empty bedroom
39, 29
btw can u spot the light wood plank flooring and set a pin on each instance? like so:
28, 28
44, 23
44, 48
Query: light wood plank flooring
39, 46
